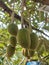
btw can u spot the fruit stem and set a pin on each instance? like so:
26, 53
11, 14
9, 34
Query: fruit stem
12, 15
22, 9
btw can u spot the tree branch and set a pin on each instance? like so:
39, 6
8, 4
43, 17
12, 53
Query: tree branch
45, 2
8, 10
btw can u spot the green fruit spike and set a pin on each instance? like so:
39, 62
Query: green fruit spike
10, 51
23, 37
34, 41
13, 41
12, 29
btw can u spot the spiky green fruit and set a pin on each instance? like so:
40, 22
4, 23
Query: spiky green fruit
12, 29
13, 41
34, 41
23, 38
31, 53
10, 51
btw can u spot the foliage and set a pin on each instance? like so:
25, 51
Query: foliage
38, 20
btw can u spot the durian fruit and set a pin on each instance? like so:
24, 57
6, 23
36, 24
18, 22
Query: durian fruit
31, 52
23, 38
26, 53
12, 29
13, 41
34, 41
10, 51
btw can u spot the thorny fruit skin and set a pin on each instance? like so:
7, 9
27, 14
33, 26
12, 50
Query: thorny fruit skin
23, 38
13, 41
12, 29
31, 53
34, 41
10, 51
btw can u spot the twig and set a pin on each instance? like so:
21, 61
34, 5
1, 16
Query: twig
40, 31
22, 61
45, 56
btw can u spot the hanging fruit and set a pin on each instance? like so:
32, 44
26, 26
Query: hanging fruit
23, 38
10, 51
12, 29
13, 41
34, 41
31, 52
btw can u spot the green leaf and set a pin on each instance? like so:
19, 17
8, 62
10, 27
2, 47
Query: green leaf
1, 45
42, 16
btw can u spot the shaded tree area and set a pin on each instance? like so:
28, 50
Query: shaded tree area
36, 19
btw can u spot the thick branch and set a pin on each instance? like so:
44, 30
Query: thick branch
8, 10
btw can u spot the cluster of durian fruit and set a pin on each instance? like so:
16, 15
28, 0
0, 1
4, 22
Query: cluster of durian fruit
28, 41
12, 29
23, 37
